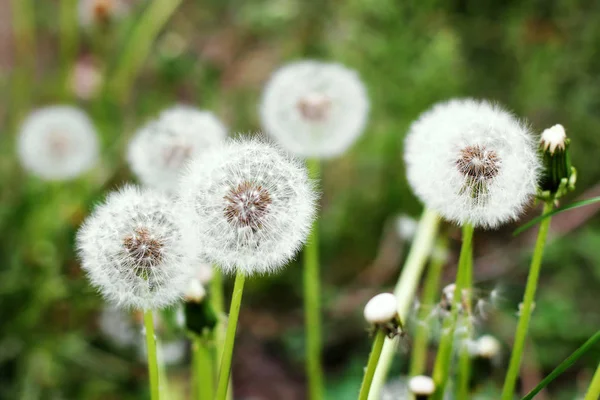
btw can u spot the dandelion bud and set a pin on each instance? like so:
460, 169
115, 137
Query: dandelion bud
314, 109
488, 346
559, 176
160, 150
134, 251
382, 312
472, 162
421, 386
195, 291
249, 204
58, 143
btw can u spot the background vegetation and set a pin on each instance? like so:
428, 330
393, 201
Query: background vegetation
537, 57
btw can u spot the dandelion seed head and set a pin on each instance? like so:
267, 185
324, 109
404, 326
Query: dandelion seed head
250, 204
472, 162
314, 109
159, 151
381, 309
134, 251
57, 143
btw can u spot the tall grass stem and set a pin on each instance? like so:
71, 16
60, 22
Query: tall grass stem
372, 364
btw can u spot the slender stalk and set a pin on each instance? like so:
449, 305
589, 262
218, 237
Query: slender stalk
162, 373
371, 365
464, 363
218, 302
137, 48
204, 379
227, 354
444, 356
312, 303
594, 389
405, 290
151, 351
432, 283
69, 39
526, 308
593, 392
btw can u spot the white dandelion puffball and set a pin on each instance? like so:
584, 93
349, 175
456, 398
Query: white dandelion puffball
95, 12
472, 162
249, 204
57, 143
421, 385
381, 309
159, 150
314, 109
134, 251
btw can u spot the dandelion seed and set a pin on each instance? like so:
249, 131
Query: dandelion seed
58, 143
249, 204
472, 162
100, 12
134, 251
160, 150
315, 109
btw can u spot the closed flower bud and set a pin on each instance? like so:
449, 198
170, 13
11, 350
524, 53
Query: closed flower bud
558, 176
421, 386
382, 312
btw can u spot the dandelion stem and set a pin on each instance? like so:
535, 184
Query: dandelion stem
527, 307
432, 283
218, 301
312, 303
593, 392
372, 364
203, 369
137, 48
151, 351
405, 290
464, 363
227, 353
444, 356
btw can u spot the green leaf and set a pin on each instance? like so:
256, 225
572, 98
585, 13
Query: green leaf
534, 221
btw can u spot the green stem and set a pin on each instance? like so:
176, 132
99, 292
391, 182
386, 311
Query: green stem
218, 301
372, 364
405, 290
68, 40
137, 48
593, 391
527, 307
162, 373
432, 283
444, 356
151, 351
464, 363
227, 353
203, 369
312, 303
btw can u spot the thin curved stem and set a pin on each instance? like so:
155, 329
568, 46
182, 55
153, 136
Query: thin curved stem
444, 357
151, 352
464, 363
218, 302
371, 365
227, 353
527, 307
312, 303
405, 290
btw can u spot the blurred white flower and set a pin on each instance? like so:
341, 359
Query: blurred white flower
95, 12
58, 143
171, 352
159, 151
472, 162
204, 273
86, 78
421, 386
406, 227
488, 346
314, 109
118, 326
195, 292
381, 309
249, 204
133, 249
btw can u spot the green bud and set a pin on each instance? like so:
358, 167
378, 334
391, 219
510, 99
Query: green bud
558, 176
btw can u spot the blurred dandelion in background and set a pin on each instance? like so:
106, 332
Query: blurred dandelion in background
101, 12
58, 143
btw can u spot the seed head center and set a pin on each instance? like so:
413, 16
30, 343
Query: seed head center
478, 163
247, 205
58, 143
176, 155
314, 107
143, 248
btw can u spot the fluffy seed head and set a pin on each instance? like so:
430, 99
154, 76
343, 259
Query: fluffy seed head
553, 138
58, 143
421, 385
488, 346
249, 204
381, 309
134, 251
159, 151
315, 109
99, 12
472, 162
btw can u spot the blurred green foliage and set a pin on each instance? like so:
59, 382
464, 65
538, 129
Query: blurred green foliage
537, 57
